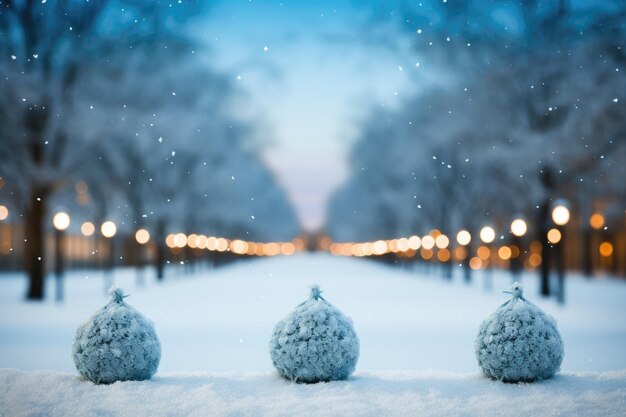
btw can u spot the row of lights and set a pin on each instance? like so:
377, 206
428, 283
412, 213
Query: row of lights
237, 246
61, 221
518, 227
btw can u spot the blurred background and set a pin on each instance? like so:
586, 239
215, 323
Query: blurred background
442, 136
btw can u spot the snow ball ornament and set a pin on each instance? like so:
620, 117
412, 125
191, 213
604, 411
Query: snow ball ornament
116, 343
519, 342
316, 342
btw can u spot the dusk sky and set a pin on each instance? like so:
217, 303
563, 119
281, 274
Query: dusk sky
309, 75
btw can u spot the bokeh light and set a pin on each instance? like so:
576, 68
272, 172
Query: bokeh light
463, 237
554, 236
87, 229
606, 249
61, 221
560, 215
142, 236
428, 242
108, 229
519, 227
596, 220
4, 212
487, 234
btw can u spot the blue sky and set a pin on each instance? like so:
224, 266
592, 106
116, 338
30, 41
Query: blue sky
308, 76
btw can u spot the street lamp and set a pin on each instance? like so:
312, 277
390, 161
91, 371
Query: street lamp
560, 213
487, 234
4, 213
519, 227
108, 230
87, 229
560, 217
142, 236
597, 220
463, 237
60, 221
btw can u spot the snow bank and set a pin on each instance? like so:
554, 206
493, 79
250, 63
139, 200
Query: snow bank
365, 394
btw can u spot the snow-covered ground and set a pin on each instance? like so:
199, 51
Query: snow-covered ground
423, 393
416, 331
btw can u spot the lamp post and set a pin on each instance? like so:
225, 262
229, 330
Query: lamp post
464, 238
142, 236
596, 222
87, 229
108, 230
519, 227
60, 221
560, 217
487, 236
4, 213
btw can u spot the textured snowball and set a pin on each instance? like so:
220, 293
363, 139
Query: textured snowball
314, 343
116, 343
519, 342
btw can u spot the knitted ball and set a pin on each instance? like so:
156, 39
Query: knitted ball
519, 342
116, 343
315, 343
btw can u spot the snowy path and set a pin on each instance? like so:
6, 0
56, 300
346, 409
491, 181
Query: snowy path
262, 394
416, 331
220, 321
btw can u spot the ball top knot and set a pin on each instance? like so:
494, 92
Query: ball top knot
316, 292
517, 291
117, 294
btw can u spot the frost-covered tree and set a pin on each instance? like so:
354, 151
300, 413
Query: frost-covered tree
524, 89
116, 95
184, 162
48, 53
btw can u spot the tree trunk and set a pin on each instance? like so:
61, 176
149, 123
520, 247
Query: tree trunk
543, 224
160, 251
35, 120
587, 253
34, 243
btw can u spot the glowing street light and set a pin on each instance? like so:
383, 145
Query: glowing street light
180, 240
597, 220
463, 237
560, 214
487, 234
606, 249
4, 212
442, 241
554, 236
142, 236
519, 227
60, 221
108, 229
415, 242
87, 229
428, 242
